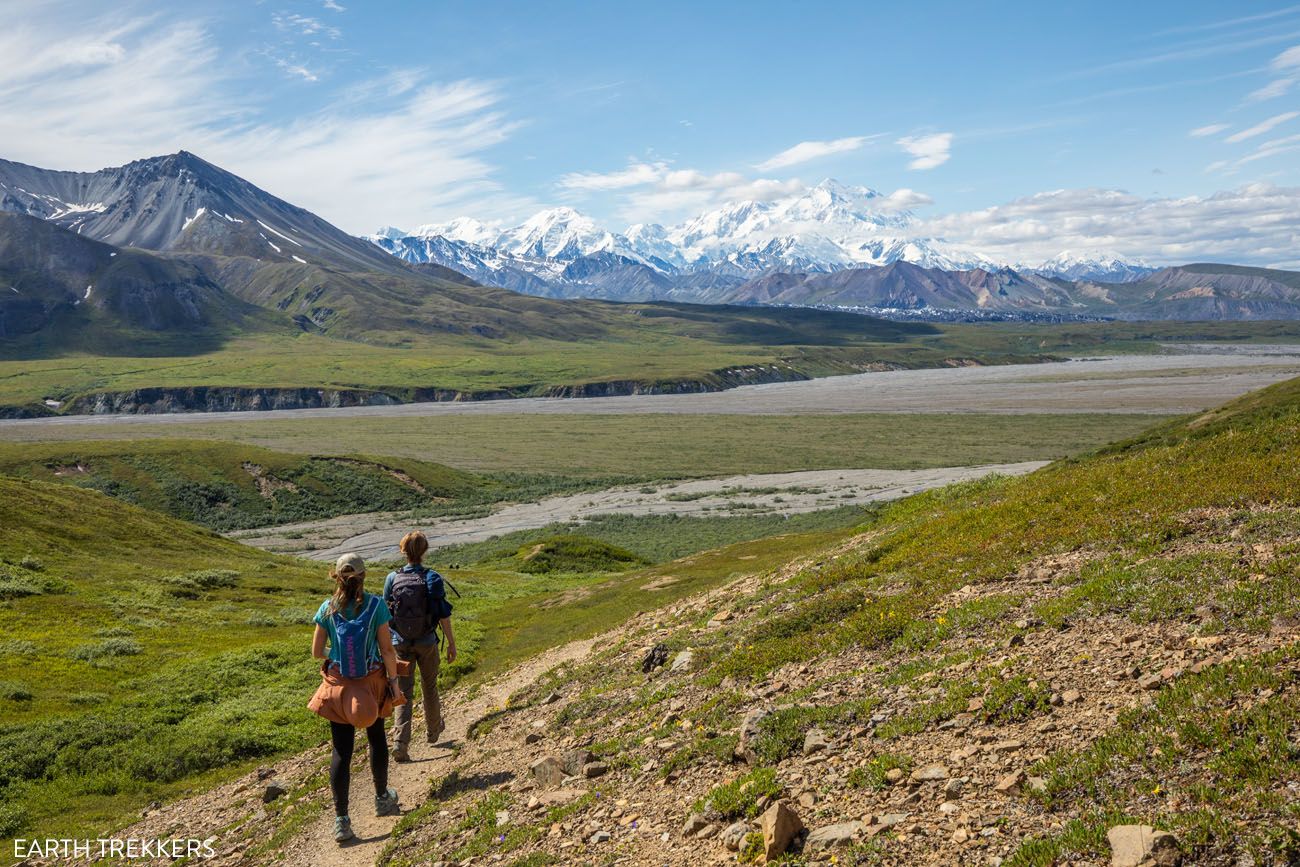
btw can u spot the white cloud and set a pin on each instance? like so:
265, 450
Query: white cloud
928, 151
1289, 59
1210, 129
811, 150
400, 149
657, 191
1275, 88
904, 199
635, 175
1263, 126
1254, 223
296, 70
334, 7
304, 25
1287, 64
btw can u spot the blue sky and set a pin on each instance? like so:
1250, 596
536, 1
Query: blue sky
408, 113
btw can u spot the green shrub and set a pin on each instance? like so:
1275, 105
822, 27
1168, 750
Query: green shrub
13, 819
575, 553
14, 691
740, 796
781, 733
191, 584
17, 647
109, 648
872, 774
1015, 700
14, 585
31, 563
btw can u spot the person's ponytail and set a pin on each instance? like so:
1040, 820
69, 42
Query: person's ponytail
347, 590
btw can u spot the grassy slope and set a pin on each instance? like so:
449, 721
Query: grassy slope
675, 343
1189, 529
227, 486
663, 446
179, 657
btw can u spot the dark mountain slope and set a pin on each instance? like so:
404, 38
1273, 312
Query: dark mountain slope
181, 202
49, 274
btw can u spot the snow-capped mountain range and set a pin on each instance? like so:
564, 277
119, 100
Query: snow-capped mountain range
827, 228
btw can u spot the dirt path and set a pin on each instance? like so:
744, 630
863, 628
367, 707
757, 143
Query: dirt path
376, 534
315, 847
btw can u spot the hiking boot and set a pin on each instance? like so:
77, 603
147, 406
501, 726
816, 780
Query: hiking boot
386, 804
400, 754
343, 829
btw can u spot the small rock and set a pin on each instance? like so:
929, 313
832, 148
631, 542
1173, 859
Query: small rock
683, 661
694, 822
749, 732
599, 837
1149, 681
961, 835
734, 835
831, 836
274, 789
551, 698
532, 738
952, 789
893, 776
814, 741
1070, 696
503, 818
591, 770
1142, 846
265, 773
889, 820
575, 760
707, 832
1010, 783
930, 774
1036, 784
547, 771
779, 824
654, 657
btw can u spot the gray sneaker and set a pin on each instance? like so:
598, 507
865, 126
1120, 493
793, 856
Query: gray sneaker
343, 829
386, 804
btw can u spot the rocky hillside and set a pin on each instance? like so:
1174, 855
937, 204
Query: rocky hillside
1097, 663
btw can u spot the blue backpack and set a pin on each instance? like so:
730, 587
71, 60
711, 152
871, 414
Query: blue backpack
354, 636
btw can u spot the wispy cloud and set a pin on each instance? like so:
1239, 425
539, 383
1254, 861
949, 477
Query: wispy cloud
304, 25
806, 151
1234, 22
1287, 67
296, 70
333, 6
1263, 126
1210, 129
635, 175
104, 91
928, 151
659, 191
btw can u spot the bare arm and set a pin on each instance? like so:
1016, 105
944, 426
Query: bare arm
445, 623
385, 638
318, 644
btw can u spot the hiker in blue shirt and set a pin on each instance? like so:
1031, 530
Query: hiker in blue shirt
417, 597
358, 686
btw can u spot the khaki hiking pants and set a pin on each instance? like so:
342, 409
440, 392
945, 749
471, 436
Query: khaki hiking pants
424, 657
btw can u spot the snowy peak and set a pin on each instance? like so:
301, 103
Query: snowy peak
1101, 267
821, 229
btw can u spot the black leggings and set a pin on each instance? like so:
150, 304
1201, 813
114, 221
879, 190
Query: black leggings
344, 738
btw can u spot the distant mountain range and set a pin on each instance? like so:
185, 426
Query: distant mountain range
832, 246
828, 228
176, 244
